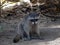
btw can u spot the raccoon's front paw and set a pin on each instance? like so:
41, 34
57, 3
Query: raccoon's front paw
41, 38
28, 39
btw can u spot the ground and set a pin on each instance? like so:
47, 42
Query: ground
49, 31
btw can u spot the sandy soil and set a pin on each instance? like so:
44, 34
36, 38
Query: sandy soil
49, 31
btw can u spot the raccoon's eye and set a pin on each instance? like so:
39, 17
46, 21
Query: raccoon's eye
34, 20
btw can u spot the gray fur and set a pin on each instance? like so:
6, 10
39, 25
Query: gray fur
25, 25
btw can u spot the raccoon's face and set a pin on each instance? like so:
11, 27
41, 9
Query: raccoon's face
34, 21
34, 18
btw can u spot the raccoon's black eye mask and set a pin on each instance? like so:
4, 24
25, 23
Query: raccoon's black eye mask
34, 20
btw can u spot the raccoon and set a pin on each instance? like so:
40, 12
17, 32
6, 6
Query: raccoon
29, 25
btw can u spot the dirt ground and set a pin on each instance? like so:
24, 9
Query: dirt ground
49, 31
